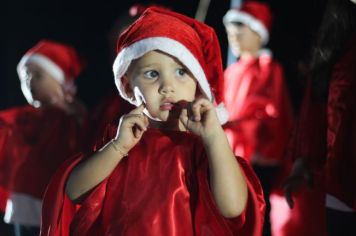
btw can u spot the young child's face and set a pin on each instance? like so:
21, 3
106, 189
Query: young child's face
242, 39
162, 81
44, 88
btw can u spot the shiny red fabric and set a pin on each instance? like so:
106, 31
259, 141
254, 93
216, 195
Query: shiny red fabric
3, 198
326, 137
35, 142
260, 112
309, 137
161, 188
340, 170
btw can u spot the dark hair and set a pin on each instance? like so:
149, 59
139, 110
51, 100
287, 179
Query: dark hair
337, 27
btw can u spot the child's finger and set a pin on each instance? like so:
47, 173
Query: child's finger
145, 120
138, 110
196, 111
137, 120
138, 128
199, 107
184, 117
137, 132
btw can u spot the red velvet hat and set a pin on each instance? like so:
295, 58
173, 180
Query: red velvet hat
193, 43
59, 60
256, 15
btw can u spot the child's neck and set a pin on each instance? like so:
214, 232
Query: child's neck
249, 54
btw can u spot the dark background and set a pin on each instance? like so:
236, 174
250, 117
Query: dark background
86, 25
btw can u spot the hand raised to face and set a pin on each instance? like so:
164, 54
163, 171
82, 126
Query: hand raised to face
131, 128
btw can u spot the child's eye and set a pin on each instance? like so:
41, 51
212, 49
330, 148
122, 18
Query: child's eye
151, 74
181, 72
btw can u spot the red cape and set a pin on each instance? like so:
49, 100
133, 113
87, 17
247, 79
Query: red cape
340, 169
34, 143
326, 134
161, 188
260, 112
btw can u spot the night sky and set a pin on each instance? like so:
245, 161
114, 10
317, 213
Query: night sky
87, 26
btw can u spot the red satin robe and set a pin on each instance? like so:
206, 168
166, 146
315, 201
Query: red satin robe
35, 143
326, 139
260, 112
4, 194
161, 188
340, 168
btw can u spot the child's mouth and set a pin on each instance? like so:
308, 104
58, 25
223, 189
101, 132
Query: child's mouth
167, 106
175, 106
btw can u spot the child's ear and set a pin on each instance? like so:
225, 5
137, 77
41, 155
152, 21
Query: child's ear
127, 87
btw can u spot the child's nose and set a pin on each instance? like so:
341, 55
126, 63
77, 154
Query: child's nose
167, 85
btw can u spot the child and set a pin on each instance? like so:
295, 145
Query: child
152, 177
112, 105
38, 138
255, 94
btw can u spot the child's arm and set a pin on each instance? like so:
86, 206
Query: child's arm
96, 168
227, 181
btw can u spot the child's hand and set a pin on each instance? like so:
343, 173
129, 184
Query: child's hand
131, 128
200, 117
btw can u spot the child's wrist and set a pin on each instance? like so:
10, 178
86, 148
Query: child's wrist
118, 148
213, 136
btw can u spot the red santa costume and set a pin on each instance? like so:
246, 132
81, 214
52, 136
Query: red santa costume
162, 187
326, 141
340, 165
256, 97
37, 140
255, 94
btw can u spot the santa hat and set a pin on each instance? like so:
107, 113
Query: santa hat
256, 15
193, 43
59, 60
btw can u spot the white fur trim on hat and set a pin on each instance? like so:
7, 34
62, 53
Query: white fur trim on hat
256, 25
48, 65
44, 62
164, 44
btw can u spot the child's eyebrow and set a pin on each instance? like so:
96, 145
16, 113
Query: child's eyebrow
140, 67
